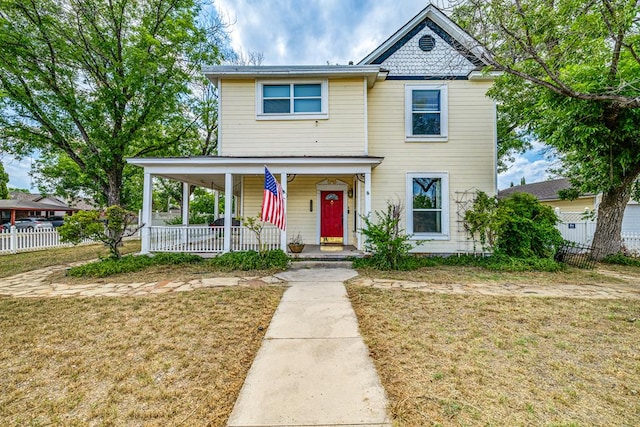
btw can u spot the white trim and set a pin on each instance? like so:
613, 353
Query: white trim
366, 117
338, 186
324, 101
444, 177
220, 117
283, 233
408, 113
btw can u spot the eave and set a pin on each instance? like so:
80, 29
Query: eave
372, 73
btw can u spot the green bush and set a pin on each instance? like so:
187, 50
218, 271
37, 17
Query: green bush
251, 260
130, 263
621, 259
386, 240
518, 226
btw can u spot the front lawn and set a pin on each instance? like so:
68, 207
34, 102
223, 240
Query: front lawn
454, 360
172, 359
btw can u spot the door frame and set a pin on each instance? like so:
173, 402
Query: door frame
338, 186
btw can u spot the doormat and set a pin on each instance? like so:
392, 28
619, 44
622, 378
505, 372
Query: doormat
331, 248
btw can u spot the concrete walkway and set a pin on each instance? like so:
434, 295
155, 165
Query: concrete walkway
313, 368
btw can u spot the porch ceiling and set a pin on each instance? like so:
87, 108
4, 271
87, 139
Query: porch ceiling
210, 172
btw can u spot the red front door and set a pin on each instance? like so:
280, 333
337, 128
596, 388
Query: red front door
331, 216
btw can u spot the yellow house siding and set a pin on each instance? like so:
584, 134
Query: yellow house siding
343, 133
468, 155
577, 205
299, 217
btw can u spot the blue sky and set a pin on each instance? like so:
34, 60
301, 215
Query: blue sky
317, 32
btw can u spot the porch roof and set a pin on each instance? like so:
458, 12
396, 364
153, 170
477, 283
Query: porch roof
209, 171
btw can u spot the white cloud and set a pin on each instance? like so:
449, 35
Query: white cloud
532, 165
18, 171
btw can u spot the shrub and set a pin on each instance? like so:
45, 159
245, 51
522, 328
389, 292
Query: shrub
518, 226
621, 259
251, 260
386, 240
130, 263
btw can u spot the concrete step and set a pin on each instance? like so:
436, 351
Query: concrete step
321, 263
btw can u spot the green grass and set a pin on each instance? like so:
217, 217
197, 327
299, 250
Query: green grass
13, 264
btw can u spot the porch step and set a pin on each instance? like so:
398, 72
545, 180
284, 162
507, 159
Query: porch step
322, 263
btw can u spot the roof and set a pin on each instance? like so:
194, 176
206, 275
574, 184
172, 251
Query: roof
27, 205
371, 72
431, 15
546, 190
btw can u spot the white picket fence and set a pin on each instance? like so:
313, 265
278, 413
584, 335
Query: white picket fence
14, 240
574, 227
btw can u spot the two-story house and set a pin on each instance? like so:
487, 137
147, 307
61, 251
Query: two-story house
411, 122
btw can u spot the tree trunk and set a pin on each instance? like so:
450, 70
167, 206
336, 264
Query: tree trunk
607, 239
113, 192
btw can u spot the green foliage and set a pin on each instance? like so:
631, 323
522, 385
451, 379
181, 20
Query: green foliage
90, 83
493, 263
622, 259
4, 180
251, 260
109, 228
518, 226
386, 240
130, 263
571, 79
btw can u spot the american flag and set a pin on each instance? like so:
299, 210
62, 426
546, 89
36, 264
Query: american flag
273, 202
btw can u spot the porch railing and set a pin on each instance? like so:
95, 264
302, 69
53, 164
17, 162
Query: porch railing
206, 239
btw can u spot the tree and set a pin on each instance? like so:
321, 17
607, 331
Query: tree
89, 83
4, 180
571, 77
110, 228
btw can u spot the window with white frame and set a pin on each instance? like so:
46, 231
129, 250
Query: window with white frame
428, 205
303, 100
426, 113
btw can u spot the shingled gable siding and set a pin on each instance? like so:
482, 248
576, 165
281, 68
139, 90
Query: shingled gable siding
342, 134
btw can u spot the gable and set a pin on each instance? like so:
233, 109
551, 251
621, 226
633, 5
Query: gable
430, 46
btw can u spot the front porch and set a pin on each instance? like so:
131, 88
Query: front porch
324, 199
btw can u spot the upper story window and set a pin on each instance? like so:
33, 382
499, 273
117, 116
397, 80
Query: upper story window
282, 101
426, 113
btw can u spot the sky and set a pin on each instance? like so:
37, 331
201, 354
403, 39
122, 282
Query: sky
318, 32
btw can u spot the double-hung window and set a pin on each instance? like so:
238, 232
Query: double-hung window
305, 100
428, 205
426, 115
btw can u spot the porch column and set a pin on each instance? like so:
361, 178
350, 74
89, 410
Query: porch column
147, 211
216, 202
185, 203
367, 194
228, 210
283, 233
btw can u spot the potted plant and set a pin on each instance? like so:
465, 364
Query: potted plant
296, 245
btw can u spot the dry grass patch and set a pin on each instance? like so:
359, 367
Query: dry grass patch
472, 360
172, 359
26, 261
471, 274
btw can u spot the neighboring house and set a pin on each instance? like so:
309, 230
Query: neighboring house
411, 123
547, 192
